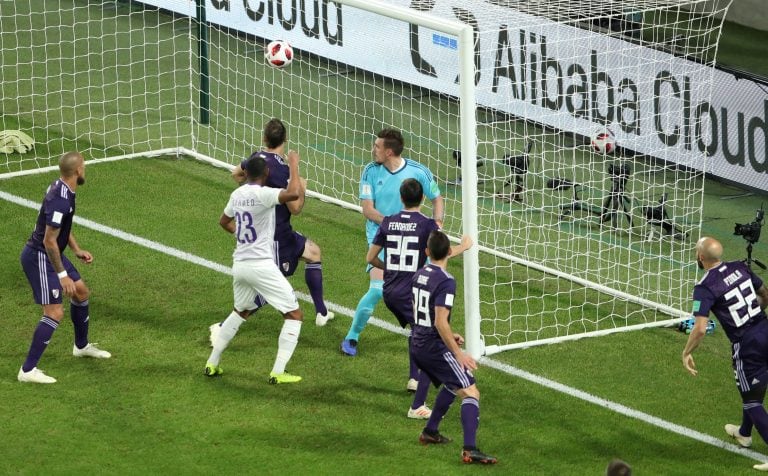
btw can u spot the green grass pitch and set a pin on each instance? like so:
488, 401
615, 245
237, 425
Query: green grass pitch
149, 409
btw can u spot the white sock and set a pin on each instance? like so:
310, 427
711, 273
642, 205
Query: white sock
286, 344
228, 330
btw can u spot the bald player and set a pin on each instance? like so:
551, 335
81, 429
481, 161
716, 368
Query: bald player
52, 276
737, 297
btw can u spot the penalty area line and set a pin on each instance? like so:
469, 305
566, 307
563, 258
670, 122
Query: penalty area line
495, 364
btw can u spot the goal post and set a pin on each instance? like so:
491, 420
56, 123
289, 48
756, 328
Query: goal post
499, 99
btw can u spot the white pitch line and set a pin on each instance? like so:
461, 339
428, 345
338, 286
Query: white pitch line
495, 364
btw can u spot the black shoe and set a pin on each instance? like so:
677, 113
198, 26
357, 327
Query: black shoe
477, 456
436, 439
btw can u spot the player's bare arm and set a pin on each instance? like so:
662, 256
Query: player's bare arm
438, 210
694, 339
449, 338
227, 222
238, 175
373, 257
370, 212
296, 206
293, 190
456, 250
762, 297
81, 254
54, 255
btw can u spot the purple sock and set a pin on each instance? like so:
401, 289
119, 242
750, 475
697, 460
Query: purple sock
442, 403
313, 275
421, 390
759, 418
746, 424
470, 420
40, 340
79, 314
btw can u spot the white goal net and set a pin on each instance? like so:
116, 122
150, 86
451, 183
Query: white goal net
590, 138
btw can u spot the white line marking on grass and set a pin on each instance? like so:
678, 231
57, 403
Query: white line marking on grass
508, 369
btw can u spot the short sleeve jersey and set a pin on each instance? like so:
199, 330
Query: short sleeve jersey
729, 292
252, 207
57, 211
432, 286
279, 174
377, 183
403, 237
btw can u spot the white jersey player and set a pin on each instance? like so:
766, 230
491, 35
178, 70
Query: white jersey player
250, 216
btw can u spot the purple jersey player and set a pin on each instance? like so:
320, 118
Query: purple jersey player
403, 237
290, 245
737, 298
436, 350
51, 275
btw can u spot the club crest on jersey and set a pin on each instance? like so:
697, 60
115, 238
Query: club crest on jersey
286, 265
55, 293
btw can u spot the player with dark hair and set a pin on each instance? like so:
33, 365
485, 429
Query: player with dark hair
618, 467
291, 245
738, 298
52, 276
403, 237
380, 197
437, 351
250, 216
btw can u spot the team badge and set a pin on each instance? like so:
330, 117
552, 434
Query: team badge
286, 265
55, 293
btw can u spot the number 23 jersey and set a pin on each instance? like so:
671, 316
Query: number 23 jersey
729, 291
252, 207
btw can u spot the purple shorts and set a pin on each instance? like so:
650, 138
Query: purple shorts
289, 250
46, 287
750, 358
442, 367
401, 308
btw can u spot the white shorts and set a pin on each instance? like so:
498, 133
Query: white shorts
263, 277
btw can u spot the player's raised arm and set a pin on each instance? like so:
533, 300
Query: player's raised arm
297, 205
238, 174
370, 212
456, 250
293, 190
438, 210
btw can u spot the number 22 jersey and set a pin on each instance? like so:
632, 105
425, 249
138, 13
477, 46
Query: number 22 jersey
729, 291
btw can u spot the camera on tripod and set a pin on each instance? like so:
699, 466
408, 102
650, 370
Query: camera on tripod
751, 231
619, 170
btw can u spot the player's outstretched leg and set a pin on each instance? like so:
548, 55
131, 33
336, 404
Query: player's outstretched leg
214, 329
286, 344
227, 331
470, 420
419, 409
29, 373
431, 433
80, 317
313, 275
362, 314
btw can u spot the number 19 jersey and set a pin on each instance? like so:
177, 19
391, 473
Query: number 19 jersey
252, 207
729, 291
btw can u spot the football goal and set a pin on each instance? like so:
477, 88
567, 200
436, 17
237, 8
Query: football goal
566, 135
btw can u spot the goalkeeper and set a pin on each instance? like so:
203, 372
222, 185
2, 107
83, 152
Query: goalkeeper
380, 197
